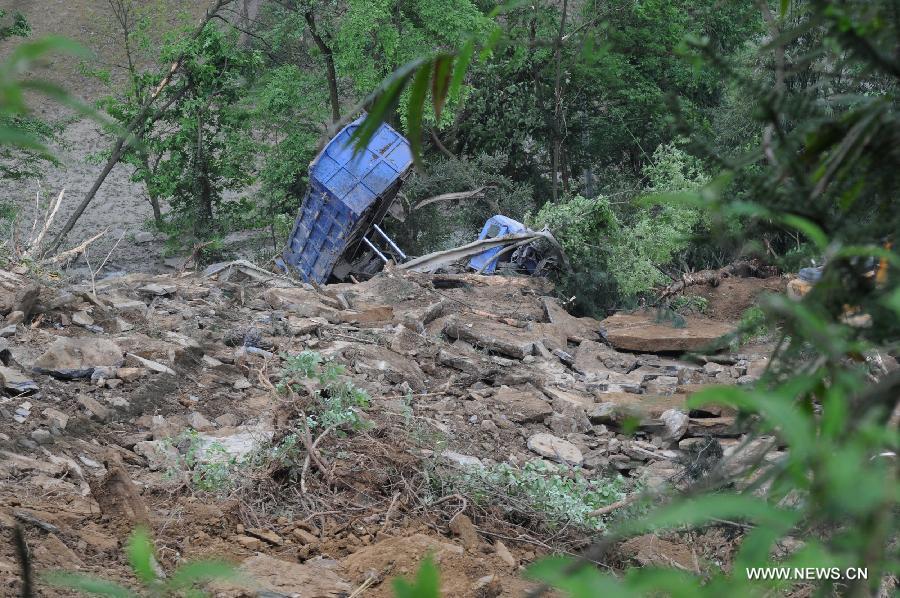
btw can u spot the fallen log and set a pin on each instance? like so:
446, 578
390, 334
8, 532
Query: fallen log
710, 277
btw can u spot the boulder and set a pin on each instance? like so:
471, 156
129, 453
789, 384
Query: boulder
675, 425
553, 447
157, 290
521, 405
597, 360
574, 329
492, 335
93, 406
77, 357
642, 332
160, 454
264, 576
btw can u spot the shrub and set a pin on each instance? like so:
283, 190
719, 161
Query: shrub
618, 250
552, 495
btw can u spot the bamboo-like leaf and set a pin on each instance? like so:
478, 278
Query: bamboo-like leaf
703, 509
27, 52
15, 137
440, 83
426, 584
463, 59
492, 40
140, 556
416, 110
89, 585
812, 231
583, 581
785, 5
382, 100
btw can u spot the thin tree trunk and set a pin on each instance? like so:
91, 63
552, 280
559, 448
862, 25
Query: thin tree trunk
329, 67
125, 140
556, 129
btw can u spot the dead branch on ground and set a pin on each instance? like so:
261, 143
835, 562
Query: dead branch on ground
710, 277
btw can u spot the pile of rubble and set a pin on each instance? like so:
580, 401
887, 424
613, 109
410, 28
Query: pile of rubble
100, 379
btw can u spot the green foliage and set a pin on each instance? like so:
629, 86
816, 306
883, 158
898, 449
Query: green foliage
376, 36
825, 175
336, 400
618, 249
211, 468
23, 138
199, 148
426, 584
140, 553
688, 304
553, 496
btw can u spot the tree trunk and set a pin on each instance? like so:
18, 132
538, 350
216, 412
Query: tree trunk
330, 71
556, 129
127, 137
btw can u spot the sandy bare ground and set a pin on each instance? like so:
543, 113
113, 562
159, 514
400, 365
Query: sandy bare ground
120, 206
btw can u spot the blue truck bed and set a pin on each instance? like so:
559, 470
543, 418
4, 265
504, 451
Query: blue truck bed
346, 196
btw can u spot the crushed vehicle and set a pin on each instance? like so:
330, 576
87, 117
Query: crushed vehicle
337, 234
349, 193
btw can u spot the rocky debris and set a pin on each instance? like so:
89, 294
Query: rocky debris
77, 357
494, 367
491, 335
15, 383
555, 448
642, 332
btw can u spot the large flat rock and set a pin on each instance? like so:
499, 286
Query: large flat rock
69, 357
641, 332
492, 335
521, 405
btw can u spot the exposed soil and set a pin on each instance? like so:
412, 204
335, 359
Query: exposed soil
461, 374
733, 296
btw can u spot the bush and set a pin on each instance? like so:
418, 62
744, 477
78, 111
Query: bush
618, 250
551, 496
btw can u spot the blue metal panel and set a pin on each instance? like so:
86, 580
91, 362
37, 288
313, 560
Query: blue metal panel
343, 188
496, 226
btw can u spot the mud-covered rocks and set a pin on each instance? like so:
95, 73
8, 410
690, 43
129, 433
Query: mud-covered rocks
555, 448
521, 405
77, 357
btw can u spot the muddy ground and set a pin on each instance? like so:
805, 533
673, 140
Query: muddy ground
112, 401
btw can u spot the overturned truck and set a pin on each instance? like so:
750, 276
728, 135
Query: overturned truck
338, 235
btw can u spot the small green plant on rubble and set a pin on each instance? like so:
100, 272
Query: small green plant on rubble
214, 472
154, 584
559, 494
336, 401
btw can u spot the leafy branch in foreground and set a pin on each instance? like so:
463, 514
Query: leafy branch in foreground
140, 553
